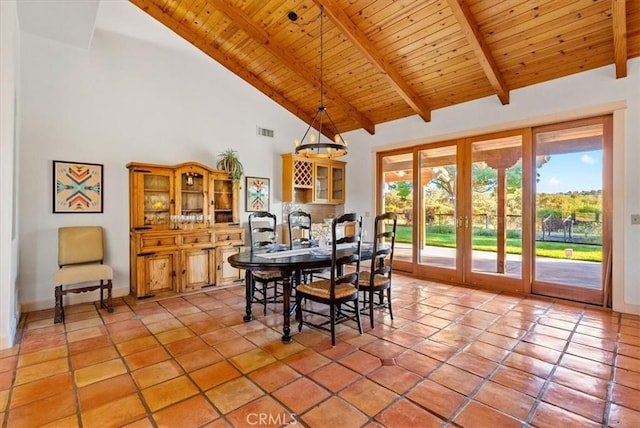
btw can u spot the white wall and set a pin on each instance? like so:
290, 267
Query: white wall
580, 95
123, 100
9, 88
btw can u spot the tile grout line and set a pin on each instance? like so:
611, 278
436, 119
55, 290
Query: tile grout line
223, 416
76, 390
139, 394
403, 395
461, 350
22, 325
499, 364
611, 382
534, 321
547, 381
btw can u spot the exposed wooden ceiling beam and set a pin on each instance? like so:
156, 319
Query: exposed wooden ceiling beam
223, 59
619, 12
480, 48
285, 55
360, 41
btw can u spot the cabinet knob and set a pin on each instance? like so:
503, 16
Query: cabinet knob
159, 242
196, 240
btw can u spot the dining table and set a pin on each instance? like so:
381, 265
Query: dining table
290, 263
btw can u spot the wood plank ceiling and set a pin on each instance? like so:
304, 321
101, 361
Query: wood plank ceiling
389, 59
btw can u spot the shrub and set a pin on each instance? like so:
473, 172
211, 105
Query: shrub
440, 228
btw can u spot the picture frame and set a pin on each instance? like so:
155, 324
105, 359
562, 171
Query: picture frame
258, 194
77, 187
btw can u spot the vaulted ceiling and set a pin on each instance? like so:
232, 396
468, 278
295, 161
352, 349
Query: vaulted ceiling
389, 59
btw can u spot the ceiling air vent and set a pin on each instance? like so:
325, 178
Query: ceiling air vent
264, 132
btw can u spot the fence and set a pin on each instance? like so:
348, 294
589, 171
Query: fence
551, 228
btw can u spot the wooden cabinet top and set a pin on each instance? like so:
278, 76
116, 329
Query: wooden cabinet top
185, 194
183, 165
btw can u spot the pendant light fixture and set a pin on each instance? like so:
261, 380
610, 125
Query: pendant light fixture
312, 145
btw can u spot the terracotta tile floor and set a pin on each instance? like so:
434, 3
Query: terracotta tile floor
452, 357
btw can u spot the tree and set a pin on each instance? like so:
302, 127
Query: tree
484, 179
403, 189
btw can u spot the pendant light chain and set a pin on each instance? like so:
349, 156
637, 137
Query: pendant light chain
321, 56
313, 148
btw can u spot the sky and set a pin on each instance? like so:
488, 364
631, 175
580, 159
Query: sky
571, 172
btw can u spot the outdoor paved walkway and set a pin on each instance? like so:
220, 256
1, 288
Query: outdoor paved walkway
574, 273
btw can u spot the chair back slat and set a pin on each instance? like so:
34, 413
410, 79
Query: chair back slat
340, 258
299, 229
383, 245
262, 229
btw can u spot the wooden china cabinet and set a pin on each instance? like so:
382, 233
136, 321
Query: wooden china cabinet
183, 227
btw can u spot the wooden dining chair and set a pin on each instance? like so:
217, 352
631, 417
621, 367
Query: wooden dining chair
338, 290
262, 233
300, 237
378, 278
81, 267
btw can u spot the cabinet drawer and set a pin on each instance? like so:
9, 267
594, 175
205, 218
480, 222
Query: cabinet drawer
235, 236
157, 242
197, 239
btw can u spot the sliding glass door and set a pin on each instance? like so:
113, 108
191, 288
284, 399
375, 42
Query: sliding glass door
494, 222
396, 186
438, 240
525, 211
571, 207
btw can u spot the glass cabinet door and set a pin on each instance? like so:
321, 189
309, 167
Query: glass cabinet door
192, 196
321, 187
222, 203
337, 184
156, 199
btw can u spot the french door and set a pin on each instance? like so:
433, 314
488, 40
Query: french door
475, 211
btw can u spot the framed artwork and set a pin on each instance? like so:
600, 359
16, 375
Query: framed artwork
77, 187
257, 194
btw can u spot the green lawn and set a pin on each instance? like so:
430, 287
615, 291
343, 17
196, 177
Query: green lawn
555, 250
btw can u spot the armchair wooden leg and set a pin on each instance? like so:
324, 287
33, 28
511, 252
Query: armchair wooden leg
109, 305
58, 315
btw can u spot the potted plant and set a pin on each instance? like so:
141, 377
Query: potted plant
228, 161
